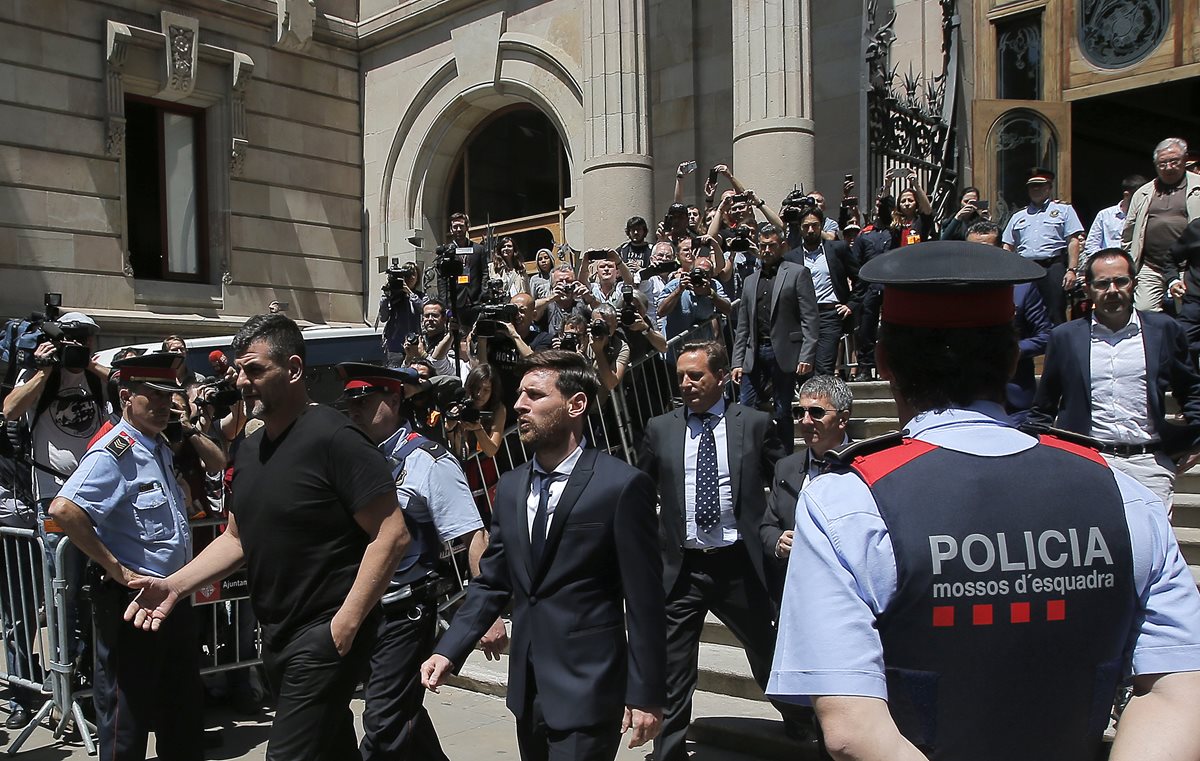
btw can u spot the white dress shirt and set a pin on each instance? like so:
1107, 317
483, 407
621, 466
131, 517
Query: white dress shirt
563, 471
1105, 231
1120, 411
726, 532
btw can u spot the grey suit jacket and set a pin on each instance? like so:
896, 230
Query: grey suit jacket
794, 319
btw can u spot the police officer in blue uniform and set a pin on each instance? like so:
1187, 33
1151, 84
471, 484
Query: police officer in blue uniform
438, 508
983, 592
1047, 232
124, 509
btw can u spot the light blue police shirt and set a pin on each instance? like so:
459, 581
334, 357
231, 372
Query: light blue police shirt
842, 573
431, 490
1039, 232
134, 501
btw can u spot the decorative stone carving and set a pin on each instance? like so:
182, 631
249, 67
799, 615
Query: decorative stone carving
182, 35
1117, 33
118, 38
294, 23
243, 67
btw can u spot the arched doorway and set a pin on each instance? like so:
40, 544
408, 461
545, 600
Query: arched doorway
513, 174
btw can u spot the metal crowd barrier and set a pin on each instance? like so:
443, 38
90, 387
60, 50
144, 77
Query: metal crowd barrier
29, 645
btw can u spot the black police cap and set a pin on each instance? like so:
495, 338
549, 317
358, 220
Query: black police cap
158, 370
361, 378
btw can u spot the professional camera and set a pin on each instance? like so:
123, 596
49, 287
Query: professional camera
673, 211
412, 339
569, 342
461, 410
490, 317
398, 275
740, 242
629, 312
495, 292
223, 393
599, 329
662, 268
446, 261
698, 278
22, 336
795, 205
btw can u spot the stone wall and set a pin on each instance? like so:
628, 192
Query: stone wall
284, 170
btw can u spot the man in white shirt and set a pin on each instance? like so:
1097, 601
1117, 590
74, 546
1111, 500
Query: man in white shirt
1106, 376
1106, 228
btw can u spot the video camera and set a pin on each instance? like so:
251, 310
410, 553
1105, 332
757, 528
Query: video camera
741, 241
22, 336
398, 275
460, 410
795, 205
569, 342
224, 393
490, 317
629, 311
495, 292
446, 261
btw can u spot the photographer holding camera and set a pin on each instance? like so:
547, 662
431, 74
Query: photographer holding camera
573, 336
462, 271
475, 420
435, 341
503, 346
567, 297
654, 278
693, 297
400, 308
608, 348
608, 272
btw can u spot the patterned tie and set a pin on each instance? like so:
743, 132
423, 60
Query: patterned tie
708, 495
537, 538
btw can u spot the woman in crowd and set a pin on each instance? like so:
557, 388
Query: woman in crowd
485, 434
506, 265
955, 228
539, 282
912, 220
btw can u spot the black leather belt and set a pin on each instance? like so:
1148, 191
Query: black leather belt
1127, 450
712, 550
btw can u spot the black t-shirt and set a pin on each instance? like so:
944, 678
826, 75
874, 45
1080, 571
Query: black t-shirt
294, 501
635, 255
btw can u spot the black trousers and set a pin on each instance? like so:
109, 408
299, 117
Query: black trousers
538, 742
146, 681
830, 327
1051, 290
868, 328
395, 723
313, 686
723, 581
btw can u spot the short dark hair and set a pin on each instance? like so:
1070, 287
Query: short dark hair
434, 302
985, 227
1132, 183
1104, 253
458, 215
937, 368
170, 338
718, 358
281, 334
766, 230
575, 374
813, 211
635, 222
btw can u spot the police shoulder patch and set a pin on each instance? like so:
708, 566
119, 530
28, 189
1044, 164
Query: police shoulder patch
865, 447
119, 444
436, 450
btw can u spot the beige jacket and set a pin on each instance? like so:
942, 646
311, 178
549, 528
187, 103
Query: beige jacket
1139, 205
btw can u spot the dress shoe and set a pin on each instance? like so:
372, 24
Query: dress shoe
17, 719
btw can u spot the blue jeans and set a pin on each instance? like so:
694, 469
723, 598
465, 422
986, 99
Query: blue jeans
783, 384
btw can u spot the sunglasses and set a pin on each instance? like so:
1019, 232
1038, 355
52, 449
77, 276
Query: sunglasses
1121, 282
816, 413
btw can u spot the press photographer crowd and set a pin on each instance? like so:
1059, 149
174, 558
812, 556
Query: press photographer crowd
573, 457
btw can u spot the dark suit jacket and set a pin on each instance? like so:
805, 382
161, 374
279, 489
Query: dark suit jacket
1033, 331
753, 451
842, 269
794, 319
1064, 394
599, 575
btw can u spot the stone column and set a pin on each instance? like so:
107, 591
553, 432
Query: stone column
772, 97
617, 179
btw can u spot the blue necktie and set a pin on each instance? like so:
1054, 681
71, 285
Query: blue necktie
537, 538
708, 495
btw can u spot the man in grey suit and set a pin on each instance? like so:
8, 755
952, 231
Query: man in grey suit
777, 331
711, 462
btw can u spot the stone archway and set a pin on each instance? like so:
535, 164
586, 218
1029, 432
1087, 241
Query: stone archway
450, 104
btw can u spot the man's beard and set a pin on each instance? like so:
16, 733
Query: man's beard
537, 436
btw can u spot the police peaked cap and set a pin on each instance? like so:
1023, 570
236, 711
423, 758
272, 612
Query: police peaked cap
360, 379
159, 370
949, 284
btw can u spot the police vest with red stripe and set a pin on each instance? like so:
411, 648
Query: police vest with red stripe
1007, 635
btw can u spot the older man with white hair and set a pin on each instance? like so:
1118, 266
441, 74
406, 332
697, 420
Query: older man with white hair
1158, 213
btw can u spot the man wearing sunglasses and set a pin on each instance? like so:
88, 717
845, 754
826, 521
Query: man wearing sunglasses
821, 415
1106, 376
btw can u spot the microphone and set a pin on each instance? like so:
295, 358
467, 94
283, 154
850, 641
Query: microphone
216, 358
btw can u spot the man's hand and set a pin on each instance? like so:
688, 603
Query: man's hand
43, 356
343, 634
434, 672
804, 368
153, 603
783, 547
736, 374
843, 310
645, 725
1069, 280
494, 641
1177, 289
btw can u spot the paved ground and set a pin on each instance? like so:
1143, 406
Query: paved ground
472, 726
